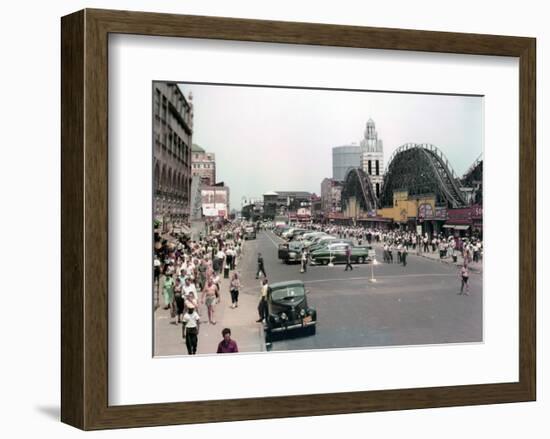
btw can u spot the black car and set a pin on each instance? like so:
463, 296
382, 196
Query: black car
290, 251
288, 309
249, 233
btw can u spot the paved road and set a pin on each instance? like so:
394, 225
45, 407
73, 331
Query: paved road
417, 304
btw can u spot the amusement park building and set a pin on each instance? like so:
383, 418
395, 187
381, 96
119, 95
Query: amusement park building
420, 191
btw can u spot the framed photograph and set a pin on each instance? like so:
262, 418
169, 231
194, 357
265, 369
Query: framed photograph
272, 219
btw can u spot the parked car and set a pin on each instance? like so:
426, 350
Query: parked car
294, 253
280, 229
337, 253
324, 243
288, 309
308, 238
290, 251
293, 232
250, 232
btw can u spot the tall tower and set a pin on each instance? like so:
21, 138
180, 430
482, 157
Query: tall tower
372, 160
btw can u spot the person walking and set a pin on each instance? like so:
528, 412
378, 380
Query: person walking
178, 299
261, 268
399, 252
234, 287
404, 253
348, 258
227, 345
262, 306
464, 275
209, 298
168, 291
190, 329
304, 261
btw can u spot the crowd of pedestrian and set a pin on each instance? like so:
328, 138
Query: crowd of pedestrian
397, 244
189, 272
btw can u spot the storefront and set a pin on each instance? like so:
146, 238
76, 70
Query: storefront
465, 221
432, 218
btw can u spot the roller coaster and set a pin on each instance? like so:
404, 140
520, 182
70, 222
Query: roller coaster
357, 184
421, 169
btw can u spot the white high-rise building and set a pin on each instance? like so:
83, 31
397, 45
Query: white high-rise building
372, 160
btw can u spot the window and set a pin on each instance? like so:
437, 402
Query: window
377, 167
163, 117
157, 102
370, 167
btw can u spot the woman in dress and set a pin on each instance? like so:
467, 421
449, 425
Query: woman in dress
168, 291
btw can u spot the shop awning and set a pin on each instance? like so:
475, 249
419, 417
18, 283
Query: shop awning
456, 226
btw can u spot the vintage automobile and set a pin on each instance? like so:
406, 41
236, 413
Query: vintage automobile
324, 243
249, 232
337, 253
290, 251
288, 309
308, 238
293, 232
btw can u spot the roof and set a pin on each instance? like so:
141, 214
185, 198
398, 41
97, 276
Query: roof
293, 193
197, 148
285, 284
271, 193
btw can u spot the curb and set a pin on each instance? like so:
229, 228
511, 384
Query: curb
448, 262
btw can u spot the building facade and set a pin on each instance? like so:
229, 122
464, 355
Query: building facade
372, 159
215, 201
285, 202
173, 133
331, 195
203, 165
345, 158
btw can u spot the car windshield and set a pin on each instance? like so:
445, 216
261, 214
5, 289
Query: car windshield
288, 293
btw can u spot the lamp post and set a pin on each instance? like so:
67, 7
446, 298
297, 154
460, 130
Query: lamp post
374, 262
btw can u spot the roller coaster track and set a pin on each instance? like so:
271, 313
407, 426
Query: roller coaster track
371, 201
473, 167
443, 174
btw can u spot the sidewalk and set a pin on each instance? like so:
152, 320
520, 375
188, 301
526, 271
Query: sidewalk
475, 267
248, 334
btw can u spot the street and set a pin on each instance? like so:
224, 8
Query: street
416, 304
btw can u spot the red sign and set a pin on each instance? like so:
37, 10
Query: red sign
477, 211
460, 216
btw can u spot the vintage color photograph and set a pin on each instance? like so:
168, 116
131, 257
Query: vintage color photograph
301, 219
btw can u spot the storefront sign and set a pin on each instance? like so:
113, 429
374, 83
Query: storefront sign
440, 213
461, 215
425, 211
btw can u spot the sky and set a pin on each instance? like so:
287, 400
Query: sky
276, 139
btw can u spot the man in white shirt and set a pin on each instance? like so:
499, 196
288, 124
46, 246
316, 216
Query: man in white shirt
190, 331
220, 256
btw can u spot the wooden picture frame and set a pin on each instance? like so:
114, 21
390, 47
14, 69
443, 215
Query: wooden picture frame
84, 220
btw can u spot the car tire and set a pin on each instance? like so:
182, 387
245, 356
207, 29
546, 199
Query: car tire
312, 330
360, 260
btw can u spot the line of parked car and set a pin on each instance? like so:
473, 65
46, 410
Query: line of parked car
321, 247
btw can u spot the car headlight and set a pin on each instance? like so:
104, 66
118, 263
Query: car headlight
302, 312
284, 316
